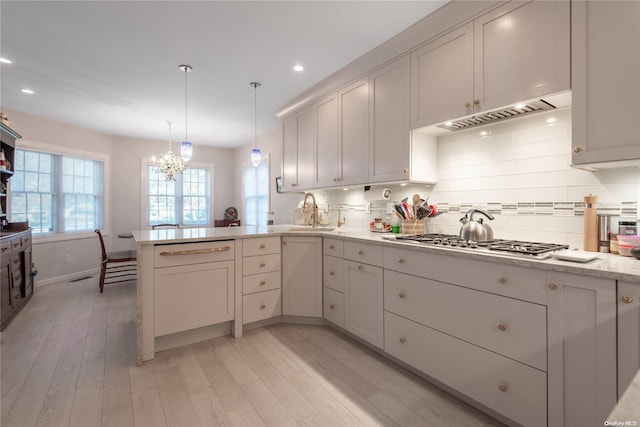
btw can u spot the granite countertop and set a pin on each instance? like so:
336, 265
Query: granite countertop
608, 266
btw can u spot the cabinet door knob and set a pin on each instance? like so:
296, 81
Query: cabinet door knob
476, 102
262, 283
331, 273
405, 170
577, 149
402, 340
401, 295
627, 299
360, 252
401, 260
16, 297
467, 105
502, 327
293, 185
262, 264
552, 286
360, 267
331, 247
502, 279
262, 306
262, 246
332, 306
502, 387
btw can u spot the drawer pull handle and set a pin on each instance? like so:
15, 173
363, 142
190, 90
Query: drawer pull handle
627, 299
262, 283
331, 247
360, 267
196, 251
401, 295
262, 306
331, 273
502, 279
553, 286
502, 387
401, 260
360, 252
332, 306
402, 340
502, 327
262, 246
17, 296
262, 264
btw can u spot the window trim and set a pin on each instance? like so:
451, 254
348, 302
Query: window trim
25, 144
146, 161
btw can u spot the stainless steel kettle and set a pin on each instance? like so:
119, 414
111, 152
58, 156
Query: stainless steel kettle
475, 230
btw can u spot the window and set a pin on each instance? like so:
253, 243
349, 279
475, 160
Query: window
57, 193
255, 182
185, 200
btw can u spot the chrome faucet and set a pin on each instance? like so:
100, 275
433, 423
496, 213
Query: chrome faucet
341, 223
314, 215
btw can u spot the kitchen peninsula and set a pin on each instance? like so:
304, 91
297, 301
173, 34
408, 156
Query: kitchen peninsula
546, 328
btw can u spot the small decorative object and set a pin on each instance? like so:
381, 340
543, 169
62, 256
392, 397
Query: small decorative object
231, 213
256, 154
4, 119
279, 184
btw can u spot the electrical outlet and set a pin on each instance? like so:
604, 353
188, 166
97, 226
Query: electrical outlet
67, 258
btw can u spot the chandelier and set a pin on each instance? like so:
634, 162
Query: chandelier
169, 164
256, 154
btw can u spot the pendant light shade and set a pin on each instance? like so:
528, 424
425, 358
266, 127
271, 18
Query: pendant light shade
186, 148
256, 154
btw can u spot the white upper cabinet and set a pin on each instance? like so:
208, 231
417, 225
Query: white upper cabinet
389, 142
442, 78
290, 154
517, 52
354, 133
605, 82
521, 51
327, 146
306, 148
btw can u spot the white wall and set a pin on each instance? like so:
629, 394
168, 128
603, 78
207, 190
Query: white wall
125, 201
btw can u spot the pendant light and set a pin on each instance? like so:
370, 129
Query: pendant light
186, 148
169, 164
256, 154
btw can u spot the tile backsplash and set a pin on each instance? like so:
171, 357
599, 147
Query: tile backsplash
520, 172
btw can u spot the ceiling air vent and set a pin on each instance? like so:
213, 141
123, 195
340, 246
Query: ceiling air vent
496, 115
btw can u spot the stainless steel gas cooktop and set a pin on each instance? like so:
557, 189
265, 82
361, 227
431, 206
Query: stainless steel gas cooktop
536, 250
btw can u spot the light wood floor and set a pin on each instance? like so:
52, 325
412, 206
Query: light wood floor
68, 359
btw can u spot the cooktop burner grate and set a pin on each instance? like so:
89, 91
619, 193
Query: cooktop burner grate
500, 245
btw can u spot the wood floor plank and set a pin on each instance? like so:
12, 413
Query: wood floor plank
269, 408
192, 374
238, 368
147, 408
87, 406
208, 408
56, 409
175, 399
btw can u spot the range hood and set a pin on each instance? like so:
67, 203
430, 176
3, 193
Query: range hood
524, 108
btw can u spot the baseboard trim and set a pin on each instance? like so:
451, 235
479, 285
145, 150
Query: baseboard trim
67, 277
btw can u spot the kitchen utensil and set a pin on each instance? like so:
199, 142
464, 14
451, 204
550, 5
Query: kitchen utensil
475, 230
406, 210
590, 224
603, 233
416, 203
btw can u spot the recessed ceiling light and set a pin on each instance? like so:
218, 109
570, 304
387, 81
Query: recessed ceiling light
520, 106
404, 184
551, 120
345, 189
6, 61
485, 133
28, 91
298, 68
448, 124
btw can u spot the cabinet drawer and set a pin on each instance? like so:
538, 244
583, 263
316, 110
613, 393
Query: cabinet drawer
261, 282
193, 253
363, 252
260, 264
332, 273
261, 246
260, 306
518, 282
15, 243
5, 247
515, 390
334, 307
333, 247
513, 328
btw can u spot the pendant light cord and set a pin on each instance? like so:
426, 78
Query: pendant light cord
186, 127
255, 115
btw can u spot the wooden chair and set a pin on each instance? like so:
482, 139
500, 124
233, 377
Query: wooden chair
161, 226
116, 267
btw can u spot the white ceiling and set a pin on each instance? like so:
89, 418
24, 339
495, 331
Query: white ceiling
112, 66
